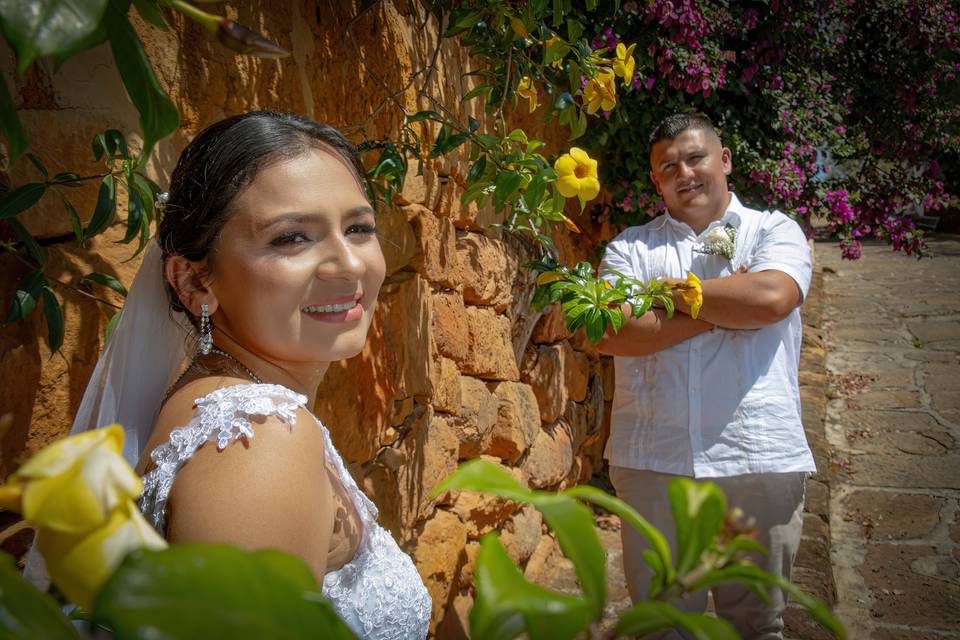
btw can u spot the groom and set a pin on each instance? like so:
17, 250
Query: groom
717, 396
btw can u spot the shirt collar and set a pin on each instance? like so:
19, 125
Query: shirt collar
731, 216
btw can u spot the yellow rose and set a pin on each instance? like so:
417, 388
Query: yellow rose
624, 65
78, 493
577, 175
74, 484
526, 89
80, 563
601, 92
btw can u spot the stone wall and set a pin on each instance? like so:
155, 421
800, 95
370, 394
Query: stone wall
456, 364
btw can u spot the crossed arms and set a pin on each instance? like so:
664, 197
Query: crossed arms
738, 301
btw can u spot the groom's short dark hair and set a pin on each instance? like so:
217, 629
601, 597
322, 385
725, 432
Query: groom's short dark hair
672, 126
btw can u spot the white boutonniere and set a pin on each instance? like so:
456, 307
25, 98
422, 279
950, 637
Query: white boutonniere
719, 241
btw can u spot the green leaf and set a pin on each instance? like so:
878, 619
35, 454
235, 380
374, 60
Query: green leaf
158, 115
424, 115
216, 591
35, 161
477, 169
116, 144
107, 281
106, 209
42, 28
480, 89
111, 325
136, 216
533, 194
507, 604
649, 617
25, 298
99, 145
67, 179
486, 477
572, 522
25, 612
10, 124
54, 316
150, 12
506, 184
37, 251
753, 574
698, 511
75, 222
20, 199
658, 543
461, 20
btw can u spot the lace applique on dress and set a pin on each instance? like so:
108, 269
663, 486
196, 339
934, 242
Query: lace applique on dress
379, 593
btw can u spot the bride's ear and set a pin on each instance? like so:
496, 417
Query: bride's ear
187, 279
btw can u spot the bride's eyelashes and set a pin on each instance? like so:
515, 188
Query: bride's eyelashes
295, 237
289, 238
365, 229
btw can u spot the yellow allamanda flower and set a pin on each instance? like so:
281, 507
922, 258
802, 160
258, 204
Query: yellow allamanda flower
692, 293
624, 64
526, 89
601, 92
78, 493
577, 175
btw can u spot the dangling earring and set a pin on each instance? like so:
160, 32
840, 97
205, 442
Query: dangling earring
206, 330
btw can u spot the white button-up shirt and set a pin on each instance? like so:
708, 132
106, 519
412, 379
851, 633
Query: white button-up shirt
725, 402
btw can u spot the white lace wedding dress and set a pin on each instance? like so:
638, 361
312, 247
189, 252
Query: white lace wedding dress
379, 593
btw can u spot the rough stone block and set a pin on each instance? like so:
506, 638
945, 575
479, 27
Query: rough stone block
490, 355
437, 258
521, 533
883, 515
475, 418
552, 327
546, 368
447, 396
888, 570
550, 457
518, 420
450, 326
488, 270
438, 556
484, 512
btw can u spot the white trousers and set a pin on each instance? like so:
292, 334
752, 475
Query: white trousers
775, 500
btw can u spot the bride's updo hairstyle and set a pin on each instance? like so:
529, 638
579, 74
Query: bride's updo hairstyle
223, 160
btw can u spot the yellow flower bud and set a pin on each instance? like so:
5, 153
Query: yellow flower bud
624, 64
526, 89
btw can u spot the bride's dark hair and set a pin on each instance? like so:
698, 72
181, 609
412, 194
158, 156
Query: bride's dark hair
220, 162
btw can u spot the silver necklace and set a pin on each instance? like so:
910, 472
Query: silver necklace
251, 374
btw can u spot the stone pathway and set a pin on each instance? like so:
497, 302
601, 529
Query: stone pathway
892, 337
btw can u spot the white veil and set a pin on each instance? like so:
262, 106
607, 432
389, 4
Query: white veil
144, 355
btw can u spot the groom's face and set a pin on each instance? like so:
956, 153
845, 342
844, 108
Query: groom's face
690, 173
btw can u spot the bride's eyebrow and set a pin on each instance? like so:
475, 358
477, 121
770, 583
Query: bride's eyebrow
296, 216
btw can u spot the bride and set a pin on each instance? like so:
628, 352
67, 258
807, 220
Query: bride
267, 262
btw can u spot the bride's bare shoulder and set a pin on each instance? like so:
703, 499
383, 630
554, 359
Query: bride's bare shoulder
180, 408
